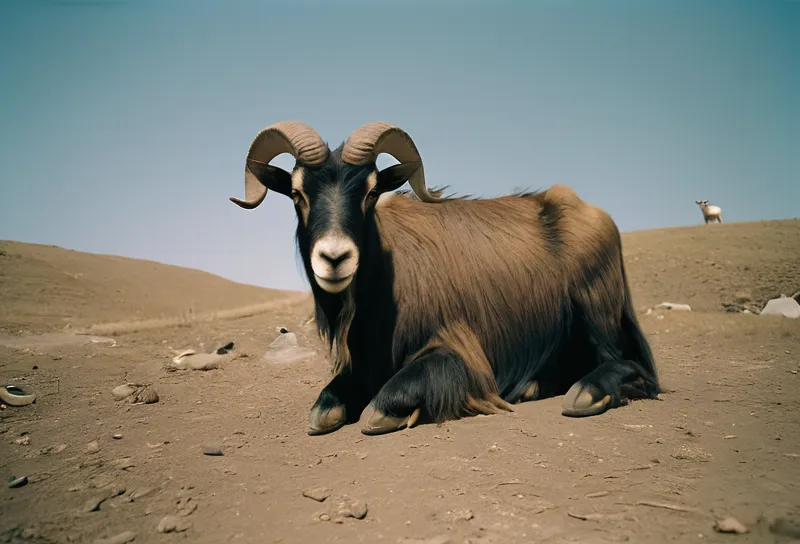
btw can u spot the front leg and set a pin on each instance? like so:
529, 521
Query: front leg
437, 386
338, 403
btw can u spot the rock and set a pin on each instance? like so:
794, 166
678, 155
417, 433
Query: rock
124, 463
225, 349
122, 538
319, 494
14, 483
460, 515
123, 391
212, 450
729, 525
441, 539
783, 306
343, 506
59, 448
93, 447
198, 361
173, 524
285, 349
23, 440
145, 395
673, 306
116, 436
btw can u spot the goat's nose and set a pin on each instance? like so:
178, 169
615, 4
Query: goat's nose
335, 259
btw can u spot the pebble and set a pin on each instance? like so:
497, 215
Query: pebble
319, 494
93, 447
14, 483
597, 495
122, 538
23, 440
147, 395
442, 539
122, 391
461, 515
116, 436
173, 524
730, 525
343, 507
212, 450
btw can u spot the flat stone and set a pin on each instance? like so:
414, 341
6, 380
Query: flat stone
784, 306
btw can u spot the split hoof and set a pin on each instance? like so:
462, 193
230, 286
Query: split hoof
580, 402
380, 423
321, 421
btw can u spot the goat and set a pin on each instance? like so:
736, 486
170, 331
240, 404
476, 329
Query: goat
710, 213
442, 308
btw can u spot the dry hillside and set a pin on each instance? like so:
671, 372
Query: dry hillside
722, 441
44, 288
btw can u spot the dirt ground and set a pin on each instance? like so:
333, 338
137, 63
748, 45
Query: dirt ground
724, 441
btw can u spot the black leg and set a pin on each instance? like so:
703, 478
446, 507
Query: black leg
603, 388
438, 386
338, 403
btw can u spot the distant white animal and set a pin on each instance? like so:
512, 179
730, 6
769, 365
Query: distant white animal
710, 213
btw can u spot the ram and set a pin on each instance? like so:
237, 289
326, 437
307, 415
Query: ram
711, 213
441, 308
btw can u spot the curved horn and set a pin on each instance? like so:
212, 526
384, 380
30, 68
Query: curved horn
369, 140
293, 137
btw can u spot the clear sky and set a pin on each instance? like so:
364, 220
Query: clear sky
124, 124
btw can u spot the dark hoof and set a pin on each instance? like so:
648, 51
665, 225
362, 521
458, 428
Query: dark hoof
380, 423
326, 421
580, 402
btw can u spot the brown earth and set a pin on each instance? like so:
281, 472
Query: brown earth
725, 441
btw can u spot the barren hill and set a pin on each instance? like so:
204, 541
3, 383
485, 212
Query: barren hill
723, 440
45, 288
707, 266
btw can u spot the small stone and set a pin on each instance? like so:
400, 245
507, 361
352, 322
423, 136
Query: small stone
597, 495
116, 436
59, 448
319, 494
173, 524
324, 517
123, 391
730, 525
93, 447
345, 507
212, 450
14, 483
461, 515
23, 440
730, 437
441, 539
122, 538
145, 395
124, 463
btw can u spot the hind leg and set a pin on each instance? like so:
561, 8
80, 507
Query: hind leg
612, 337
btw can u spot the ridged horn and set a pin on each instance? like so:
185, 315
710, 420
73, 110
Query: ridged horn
293, 137
369, 140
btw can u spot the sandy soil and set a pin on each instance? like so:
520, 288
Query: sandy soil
724, 441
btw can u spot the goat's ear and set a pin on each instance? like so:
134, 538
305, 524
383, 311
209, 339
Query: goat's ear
273, 178
395, 176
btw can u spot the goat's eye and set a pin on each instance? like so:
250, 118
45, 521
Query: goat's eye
372, 195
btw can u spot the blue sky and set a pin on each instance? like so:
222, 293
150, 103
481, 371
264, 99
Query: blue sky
124, 124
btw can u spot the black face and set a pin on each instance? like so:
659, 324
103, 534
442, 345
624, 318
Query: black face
333, 201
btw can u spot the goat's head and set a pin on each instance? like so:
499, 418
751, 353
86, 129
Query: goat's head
701, 203
334, 192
